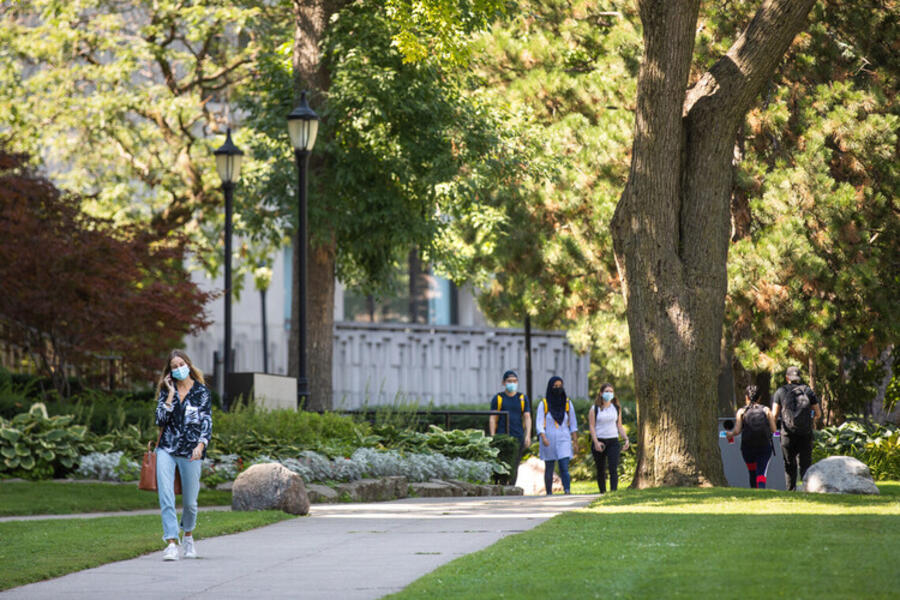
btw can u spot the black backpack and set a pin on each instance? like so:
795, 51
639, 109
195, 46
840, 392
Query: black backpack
796, 411
755, 428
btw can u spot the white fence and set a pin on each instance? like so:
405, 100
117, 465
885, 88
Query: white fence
378, 364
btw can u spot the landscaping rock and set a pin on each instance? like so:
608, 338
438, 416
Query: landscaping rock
431, 490
270, 486
321, 494
400, 485
512, 490
374, 490
531, 478
839, 475
457, 489
485, 490
468, 489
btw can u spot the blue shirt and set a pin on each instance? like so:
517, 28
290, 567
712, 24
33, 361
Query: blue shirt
512, 406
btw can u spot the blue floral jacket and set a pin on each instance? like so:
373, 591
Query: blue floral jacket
185, 424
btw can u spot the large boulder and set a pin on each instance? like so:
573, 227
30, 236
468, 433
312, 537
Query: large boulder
839, 475
270, 486
531, 478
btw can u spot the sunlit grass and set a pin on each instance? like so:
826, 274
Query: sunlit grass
691, 543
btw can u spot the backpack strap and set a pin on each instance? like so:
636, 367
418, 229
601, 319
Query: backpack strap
499, 401
546, 412
522, 402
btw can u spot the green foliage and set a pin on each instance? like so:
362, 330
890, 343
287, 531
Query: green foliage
400, 143
458, 443
564, 73
144, 85
876, 445
506, 446
812, 272
426, 28
99, 411
250, 432
35, 446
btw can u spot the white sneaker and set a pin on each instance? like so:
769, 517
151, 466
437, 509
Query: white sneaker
187, 544
171, 552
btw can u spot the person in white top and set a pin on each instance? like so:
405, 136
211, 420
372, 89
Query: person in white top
605, 421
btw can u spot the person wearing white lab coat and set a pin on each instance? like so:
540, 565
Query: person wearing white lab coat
557, 428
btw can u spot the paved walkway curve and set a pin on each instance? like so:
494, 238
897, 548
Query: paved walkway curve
341, 551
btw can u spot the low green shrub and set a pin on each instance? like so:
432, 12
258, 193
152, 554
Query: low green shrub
250, 432
470, 444
506, 446
36, 446
876, 445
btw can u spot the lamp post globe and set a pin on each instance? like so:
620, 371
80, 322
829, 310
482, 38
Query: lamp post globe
303, 125
228, 165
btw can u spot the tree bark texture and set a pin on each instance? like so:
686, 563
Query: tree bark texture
671, 228
311, 17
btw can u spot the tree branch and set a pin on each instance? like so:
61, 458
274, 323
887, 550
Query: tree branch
736, 79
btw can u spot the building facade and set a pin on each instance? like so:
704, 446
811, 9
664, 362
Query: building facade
453, 358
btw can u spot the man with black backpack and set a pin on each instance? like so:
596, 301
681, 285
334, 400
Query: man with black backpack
796, 403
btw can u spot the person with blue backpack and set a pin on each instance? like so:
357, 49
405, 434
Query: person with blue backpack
517, 407
557, 428
756, 424
797, 405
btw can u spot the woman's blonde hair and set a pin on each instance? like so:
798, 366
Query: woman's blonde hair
196, 374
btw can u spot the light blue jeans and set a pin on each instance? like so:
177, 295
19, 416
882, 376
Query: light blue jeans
190, 487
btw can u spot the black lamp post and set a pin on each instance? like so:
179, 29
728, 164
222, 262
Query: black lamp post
228, 164
303, 124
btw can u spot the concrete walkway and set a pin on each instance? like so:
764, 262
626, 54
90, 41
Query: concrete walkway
341, 551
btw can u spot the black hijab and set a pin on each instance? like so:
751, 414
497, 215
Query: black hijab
557, 400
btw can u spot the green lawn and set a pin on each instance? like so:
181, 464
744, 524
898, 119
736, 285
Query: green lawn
36, 550
691, 543
59, 498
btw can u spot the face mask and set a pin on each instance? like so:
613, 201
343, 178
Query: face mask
181, 372
558, 392
512, 387
608, 396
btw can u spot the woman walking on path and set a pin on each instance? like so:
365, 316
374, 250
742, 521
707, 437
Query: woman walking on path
557, 427
756, 423
184, 415
605, 419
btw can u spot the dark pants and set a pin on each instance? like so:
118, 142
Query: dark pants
757, 461
514, 461
610, 456
563, 474
796, 446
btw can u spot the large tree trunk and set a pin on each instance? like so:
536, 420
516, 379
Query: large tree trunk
310, 18
671, 229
